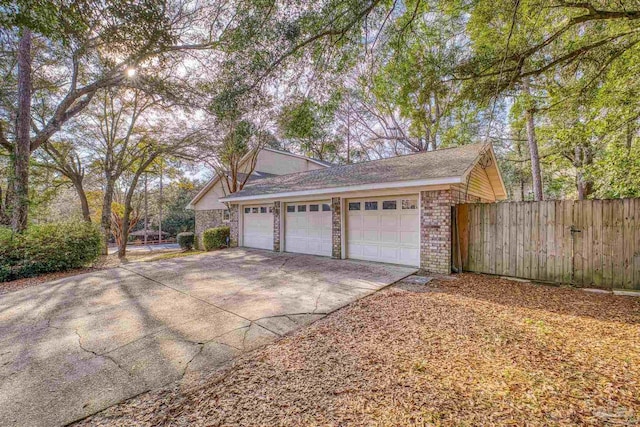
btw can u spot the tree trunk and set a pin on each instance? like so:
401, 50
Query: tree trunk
4, 220
22, 147
105, 219
126, 217
582, 158
84, 203
584, 186
533, 146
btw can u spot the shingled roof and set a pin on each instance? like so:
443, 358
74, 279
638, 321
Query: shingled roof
449, 163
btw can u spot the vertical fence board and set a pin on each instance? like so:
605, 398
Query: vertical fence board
520, 235
567, 242
636, 243
526, 234
617, 249
504, 207
587, 247
499, 239
535, 239
550, 228
596, 242
628, 223
607, 237
558, 273
513, 239
576, 237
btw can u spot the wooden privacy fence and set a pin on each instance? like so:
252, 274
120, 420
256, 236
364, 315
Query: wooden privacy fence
590, 243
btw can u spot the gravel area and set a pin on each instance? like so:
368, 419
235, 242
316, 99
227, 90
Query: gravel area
473, 351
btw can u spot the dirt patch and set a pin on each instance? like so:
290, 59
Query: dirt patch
480, 351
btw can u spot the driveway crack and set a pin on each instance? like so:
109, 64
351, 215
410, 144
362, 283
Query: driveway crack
317, 301
106, 356
186, 366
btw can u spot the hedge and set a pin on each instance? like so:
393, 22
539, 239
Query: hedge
215, 238
185, 240
47, 248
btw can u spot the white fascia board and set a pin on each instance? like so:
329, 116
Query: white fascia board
349, 189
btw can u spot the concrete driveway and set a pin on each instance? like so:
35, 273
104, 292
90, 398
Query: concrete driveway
72, 347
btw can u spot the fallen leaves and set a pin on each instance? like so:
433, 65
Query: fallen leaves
480, 351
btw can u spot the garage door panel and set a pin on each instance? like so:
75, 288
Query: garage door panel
408, 223
370, 221
409, 238
308, 229
258, 227
389, 237
385, 232
388, 221
390, 252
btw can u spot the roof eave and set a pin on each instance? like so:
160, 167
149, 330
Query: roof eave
348, 189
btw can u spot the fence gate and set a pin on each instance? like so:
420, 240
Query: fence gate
585, 243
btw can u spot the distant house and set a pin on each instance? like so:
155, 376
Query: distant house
210, 212
395, 210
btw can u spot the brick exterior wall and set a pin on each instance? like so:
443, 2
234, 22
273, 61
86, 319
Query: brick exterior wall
234, 225
277, 209
435, 230
205, 220
336, 228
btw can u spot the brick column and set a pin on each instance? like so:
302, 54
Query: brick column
277, 207
435, 231
336, 228
234, 225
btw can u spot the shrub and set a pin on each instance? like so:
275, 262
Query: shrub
215, 238
185, 240
48, 248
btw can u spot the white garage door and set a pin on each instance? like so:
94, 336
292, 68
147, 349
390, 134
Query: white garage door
307, 228
258, 227
384, 229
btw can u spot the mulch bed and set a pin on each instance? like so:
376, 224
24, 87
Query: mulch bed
478, 351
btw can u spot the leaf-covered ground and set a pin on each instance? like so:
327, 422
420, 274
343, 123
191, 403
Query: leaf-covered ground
109, 261
472, 351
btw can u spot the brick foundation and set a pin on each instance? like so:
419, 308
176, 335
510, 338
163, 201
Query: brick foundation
435, 230
336, 228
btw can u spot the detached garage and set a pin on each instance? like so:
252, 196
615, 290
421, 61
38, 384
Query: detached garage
395, 210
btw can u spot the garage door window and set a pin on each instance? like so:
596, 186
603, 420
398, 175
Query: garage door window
302, 208
389, 205
263, 209
247, 210
370, 206
314, 208
355, 206
291, 208
409, 204
326, 208
254, 210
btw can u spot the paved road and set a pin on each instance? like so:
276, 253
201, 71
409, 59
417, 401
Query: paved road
75, 346
147, 248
